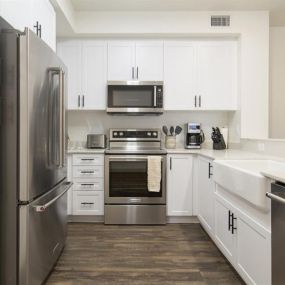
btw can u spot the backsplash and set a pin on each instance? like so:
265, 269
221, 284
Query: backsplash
82, 123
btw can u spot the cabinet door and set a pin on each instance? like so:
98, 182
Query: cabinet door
16, 13
225, 239
179, 75
205, 192
149, 61
41, 11
217, 75
121, 60
179, 185
70, 53
94, 74
253, 251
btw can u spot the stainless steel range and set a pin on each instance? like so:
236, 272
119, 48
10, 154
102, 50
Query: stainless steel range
127, 196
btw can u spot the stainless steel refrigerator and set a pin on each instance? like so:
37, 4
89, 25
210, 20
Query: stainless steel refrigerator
33, 184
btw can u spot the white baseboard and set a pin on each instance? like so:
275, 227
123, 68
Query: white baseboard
85, 219
182, 220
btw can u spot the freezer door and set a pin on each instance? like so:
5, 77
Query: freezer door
42, 234
42, 117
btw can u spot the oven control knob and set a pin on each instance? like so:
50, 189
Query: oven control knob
149, 134
121, 134
154, 134
115, 134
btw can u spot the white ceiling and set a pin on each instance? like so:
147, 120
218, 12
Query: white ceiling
276, 7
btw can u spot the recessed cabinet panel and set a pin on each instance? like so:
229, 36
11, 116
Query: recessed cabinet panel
149, 61
121, 60
94, 74
70, 53
217, 75
179, 185
179, 75
205, 192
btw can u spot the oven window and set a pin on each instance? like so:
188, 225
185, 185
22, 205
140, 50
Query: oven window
130, 96
129, 179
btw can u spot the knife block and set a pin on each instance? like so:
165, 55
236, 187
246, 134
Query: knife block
220, 145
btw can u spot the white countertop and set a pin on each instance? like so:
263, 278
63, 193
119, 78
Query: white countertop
227, 154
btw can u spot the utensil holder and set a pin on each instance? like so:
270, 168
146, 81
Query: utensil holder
170, 142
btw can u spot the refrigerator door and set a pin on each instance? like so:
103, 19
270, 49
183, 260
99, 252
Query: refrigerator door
8, 153
42, 117
42, 234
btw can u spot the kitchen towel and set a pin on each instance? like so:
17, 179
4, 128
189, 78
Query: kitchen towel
153, 173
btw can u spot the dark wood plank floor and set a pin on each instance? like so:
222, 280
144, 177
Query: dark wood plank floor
174, 254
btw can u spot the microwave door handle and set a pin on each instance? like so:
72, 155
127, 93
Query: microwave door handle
154, 96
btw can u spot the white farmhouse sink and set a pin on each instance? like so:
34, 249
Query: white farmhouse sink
244, 178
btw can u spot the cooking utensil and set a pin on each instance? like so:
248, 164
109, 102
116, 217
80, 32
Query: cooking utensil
178, 130
165, 130
171, 130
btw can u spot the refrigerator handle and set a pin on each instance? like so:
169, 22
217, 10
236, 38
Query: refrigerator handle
61, 98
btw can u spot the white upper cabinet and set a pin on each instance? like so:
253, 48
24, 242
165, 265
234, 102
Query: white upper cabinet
121, 60
200, 75
94, 74
38, 15
149, 61
179, 75
179, 185
217, 75
86, 62
135, 61
70, 53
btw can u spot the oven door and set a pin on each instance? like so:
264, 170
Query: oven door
134, 98
126, 180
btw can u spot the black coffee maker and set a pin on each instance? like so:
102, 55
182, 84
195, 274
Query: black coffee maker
194, 136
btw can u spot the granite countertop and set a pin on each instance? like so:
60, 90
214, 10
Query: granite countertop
79, 150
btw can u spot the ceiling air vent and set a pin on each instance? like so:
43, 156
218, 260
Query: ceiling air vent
220, 21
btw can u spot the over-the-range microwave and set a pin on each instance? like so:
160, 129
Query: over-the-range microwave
135, 97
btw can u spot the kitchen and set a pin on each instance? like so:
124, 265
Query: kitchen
148, 141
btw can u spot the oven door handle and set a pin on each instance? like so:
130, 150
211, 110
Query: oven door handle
133, 158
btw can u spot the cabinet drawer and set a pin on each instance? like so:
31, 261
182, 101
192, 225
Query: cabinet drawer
88, 159
88, 203
88, 171
88, 185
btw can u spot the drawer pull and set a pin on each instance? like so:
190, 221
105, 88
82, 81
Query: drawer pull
87, 159
87, 203
86, 184
87, 172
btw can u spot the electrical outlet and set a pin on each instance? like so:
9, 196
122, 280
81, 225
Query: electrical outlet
261, 146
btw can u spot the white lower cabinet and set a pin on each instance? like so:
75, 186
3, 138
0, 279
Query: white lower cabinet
86, 171
88, 202
205, 193
245, 243
179, 185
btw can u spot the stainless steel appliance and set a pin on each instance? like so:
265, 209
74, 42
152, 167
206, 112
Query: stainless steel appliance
277, 197
127, 199
96, 141
194, 136
135, 97
33, 183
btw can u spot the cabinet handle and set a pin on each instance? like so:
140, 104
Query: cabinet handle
229, 220
78, 101
200, 100
40, 31
87, 172
170, 164
87, 159
83, 101
87, 184
233, 223
137, 72
209, 170
86, 203
195, 100
133, 72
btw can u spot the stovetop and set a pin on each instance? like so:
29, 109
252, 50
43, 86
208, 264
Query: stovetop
135, 151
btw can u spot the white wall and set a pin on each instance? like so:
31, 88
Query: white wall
277, 82
82, 123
